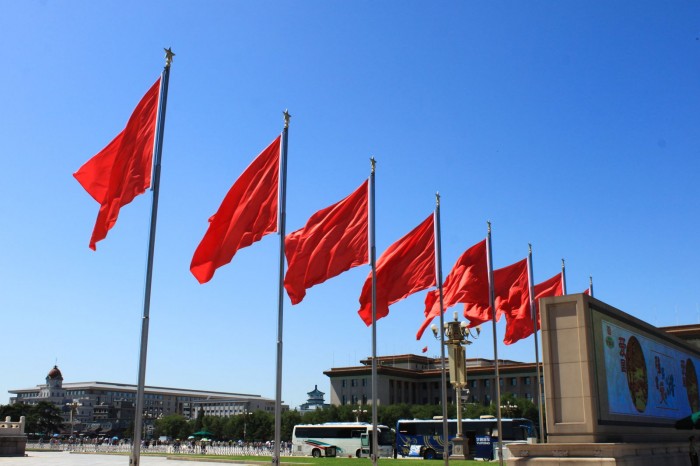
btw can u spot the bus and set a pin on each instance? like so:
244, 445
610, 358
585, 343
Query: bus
423, 437
340, 439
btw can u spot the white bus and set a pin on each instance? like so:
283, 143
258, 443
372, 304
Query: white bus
340, 439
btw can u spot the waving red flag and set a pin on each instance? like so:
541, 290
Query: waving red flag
406, 266
122, 170
467, 282
516, 303
333, 240
508, 287
247, 213
551, 287
519, 319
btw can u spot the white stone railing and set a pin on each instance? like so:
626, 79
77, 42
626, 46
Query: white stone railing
12, 428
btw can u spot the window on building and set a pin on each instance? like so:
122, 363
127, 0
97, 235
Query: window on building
364, 382
487, 383
513, 382
353, 382
342, 383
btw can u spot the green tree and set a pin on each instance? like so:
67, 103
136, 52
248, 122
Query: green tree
199, 420
289, 420
171, 425
47, 417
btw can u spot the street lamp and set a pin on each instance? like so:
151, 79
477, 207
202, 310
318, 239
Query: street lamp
73, 410
357, 412
456, 338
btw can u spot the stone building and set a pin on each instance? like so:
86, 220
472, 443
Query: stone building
413, 379
93, 407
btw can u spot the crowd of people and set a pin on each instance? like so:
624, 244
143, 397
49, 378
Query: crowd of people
176, 446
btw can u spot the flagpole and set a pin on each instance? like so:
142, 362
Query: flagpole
563, 277
373, 264
155, 187
492, 303
280, 295
438, 273
590, 285
533, 314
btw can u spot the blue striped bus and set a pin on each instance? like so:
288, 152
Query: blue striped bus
423, 437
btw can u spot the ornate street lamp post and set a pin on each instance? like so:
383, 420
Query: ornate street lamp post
456, 338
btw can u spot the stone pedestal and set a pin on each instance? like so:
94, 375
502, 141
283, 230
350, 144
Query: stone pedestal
460, 448
599, 454
13, 441
13, 445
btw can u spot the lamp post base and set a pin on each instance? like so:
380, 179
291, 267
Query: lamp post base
460, 447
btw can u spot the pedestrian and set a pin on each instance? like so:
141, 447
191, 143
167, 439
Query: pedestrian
693, 451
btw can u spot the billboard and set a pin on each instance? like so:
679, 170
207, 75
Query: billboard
644, 377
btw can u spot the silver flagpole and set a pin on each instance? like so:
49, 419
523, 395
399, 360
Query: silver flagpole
533, 314
135, 457
590, 285
563, 277
438, 273
497, 376
280, 295
373, 264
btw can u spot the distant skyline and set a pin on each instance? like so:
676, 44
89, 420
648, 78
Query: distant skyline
572, 126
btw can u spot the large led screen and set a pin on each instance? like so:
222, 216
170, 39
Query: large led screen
644, 376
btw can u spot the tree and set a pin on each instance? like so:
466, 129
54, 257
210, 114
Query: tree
171, 425
47, 417
289, 420
199, 421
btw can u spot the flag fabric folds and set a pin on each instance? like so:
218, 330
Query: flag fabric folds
122, 170
467, 283
333, 240
510, 293
406, 266
519, 322
247, 213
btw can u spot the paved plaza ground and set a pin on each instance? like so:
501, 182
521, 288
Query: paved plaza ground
61, 458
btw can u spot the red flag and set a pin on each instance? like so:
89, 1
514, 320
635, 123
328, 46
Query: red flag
333, 240
519, 323
425, 349
511, 294
468, 283
406, 266
247, 213
122, 170
587, 291
551, 287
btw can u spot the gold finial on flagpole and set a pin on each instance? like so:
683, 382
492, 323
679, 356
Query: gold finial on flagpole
287, 117
437, 199
373, 163
168, 56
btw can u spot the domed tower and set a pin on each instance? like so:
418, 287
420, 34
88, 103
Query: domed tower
54, 384
54, 379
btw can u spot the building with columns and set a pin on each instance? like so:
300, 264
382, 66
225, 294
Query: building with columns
413, 379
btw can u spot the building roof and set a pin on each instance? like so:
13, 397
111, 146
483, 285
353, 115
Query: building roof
149, 389
684, 332
475, 366
55, 373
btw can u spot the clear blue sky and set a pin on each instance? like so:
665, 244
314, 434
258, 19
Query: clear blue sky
569, 125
